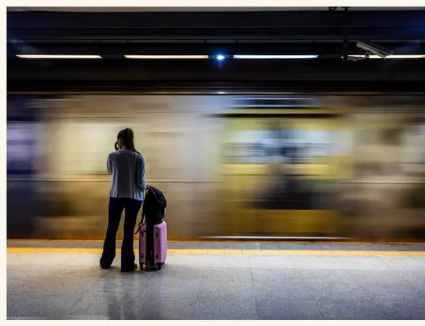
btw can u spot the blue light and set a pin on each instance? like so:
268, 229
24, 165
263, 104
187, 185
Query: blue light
220, 57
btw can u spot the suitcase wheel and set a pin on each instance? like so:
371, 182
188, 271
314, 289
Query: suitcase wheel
159, 266
141, 267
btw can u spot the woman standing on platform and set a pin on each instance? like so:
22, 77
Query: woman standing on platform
127, 167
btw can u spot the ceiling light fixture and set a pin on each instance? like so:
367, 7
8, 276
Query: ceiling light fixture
275, 56
391, 56
58, 56
165, 57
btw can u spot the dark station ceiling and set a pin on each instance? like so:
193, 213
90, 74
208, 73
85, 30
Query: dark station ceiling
331, 35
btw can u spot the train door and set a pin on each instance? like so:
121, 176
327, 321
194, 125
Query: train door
278, 172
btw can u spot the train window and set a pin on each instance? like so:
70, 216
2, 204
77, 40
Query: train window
21, 147
83, 146
414, 150
391, 136
263, 147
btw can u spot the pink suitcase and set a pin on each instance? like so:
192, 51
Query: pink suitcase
159, 246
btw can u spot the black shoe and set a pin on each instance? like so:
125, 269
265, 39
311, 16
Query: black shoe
129, 269
104, 265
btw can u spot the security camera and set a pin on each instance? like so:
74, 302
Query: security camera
374, 49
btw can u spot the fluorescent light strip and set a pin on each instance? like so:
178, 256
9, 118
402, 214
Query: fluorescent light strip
165, 57
57, 56
255, 56
393, 56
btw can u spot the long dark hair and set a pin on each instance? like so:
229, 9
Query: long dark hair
127, 137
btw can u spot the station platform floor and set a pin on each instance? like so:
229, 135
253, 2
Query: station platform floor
219, 281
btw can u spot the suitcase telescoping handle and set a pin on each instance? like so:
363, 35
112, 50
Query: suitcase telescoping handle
138, 229
142, 219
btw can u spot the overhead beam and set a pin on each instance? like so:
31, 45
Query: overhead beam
217, 20
216, 33
207, 70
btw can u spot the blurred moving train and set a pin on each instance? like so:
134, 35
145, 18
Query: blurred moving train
241, 167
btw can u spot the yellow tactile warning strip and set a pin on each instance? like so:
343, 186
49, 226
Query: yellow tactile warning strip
228, 252
328, 242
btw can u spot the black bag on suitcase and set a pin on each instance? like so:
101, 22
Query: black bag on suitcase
154, 206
